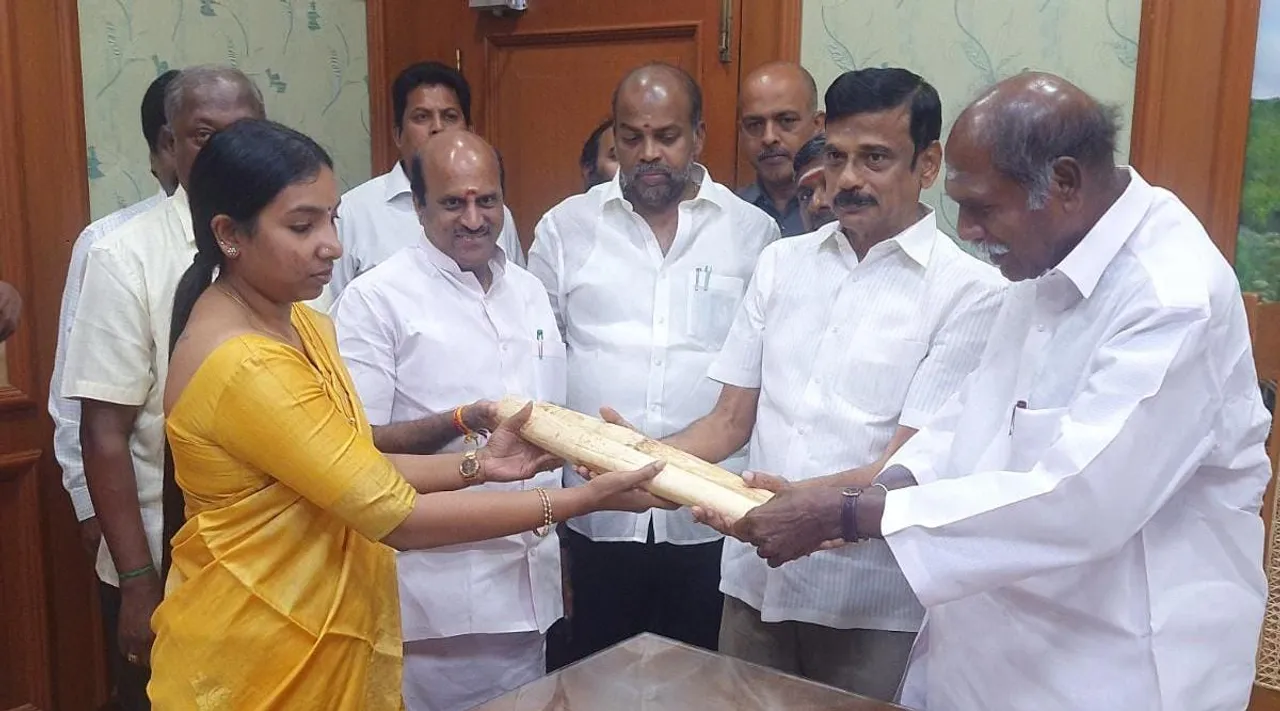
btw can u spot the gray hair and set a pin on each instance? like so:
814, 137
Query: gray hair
192, 78
1025, 142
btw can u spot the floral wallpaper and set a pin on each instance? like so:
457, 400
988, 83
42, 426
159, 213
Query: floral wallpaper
963, 46
307, 56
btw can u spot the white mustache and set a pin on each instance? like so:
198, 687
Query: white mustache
990, 251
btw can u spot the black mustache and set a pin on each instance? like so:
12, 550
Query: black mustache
849, 198
772, 153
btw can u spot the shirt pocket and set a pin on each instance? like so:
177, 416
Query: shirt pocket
550, 369
712, 303
879, 372
1031, 434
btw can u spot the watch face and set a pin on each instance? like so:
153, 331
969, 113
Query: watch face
470, 466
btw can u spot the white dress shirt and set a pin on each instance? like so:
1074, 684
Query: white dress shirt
65, 411
643, 327
376, 219
421, 337
1100, 546
843, 352
118, 350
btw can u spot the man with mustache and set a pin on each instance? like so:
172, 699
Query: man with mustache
645, 274
447, 322
811, 184
778, 112
1081, 520
848, 340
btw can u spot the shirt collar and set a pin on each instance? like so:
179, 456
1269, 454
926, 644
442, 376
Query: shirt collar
397, 182
450, 268
916, 241
708, 189
1085, 264
183, 208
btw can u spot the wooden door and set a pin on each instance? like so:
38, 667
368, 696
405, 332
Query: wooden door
50, 639
543, 78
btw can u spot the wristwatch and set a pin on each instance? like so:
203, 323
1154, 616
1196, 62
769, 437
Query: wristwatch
470, 467
849, 515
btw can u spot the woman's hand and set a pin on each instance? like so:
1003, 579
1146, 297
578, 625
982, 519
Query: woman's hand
623, 491
507, 457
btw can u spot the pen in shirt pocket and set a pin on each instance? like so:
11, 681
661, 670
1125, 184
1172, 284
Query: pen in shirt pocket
702, 278
539, 337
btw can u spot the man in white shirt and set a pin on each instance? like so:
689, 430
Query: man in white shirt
849, 339
777, 113
377, 218
447, 322
1081, 520
117, 357
66, 411
645, 273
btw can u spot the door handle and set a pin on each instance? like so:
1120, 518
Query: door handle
726, 30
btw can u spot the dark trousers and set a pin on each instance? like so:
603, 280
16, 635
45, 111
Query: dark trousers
128, 681
623, 589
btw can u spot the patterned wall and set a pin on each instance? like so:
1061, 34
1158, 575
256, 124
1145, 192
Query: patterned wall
307, 56
963, 46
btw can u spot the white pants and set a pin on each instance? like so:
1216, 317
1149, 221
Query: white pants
458, 673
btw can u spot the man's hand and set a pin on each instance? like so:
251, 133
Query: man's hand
755, 480
610, 415
91, 536
481, 415
139, 599
796, 522
10, 310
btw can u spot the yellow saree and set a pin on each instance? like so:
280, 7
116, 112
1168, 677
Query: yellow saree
280, 596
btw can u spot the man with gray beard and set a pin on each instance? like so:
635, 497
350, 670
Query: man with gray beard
645, 273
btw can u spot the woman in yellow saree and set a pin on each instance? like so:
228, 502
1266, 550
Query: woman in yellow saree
281, 593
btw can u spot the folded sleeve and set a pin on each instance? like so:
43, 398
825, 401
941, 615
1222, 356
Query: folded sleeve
367, 342
275, 414
111, 348
742, 355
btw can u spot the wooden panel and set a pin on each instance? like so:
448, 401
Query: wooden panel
44, 204
23, 676
524, 70
1191, 105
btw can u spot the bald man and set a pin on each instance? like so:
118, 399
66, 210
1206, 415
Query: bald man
431, 336
645, 273
1081, 520
777, 113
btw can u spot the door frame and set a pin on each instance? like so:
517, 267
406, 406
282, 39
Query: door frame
1191, 106
768, 30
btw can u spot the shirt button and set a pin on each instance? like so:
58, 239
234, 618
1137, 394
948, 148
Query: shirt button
658, 362
661, 321
1040, 328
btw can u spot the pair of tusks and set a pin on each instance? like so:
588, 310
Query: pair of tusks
602, 447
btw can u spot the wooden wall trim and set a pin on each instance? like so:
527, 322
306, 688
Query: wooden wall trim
1191, 105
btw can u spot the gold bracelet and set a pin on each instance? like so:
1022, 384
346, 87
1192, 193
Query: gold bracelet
548, 518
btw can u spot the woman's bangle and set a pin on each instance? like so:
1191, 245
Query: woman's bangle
548, 517
136, 573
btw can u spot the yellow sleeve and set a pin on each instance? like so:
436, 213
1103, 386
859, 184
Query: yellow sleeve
274, 414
